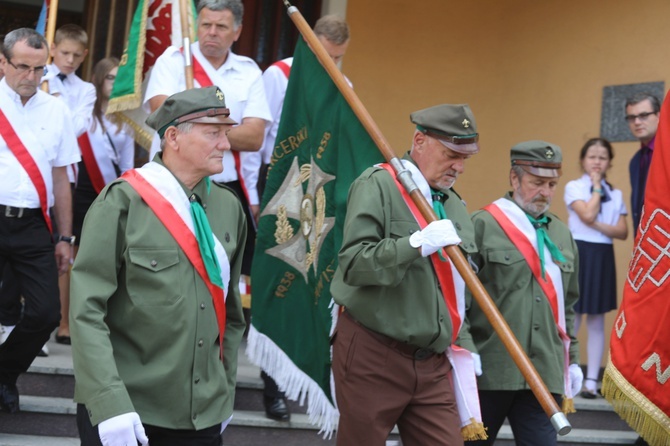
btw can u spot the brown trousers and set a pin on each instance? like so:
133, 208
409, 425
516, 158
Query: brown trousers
378, 387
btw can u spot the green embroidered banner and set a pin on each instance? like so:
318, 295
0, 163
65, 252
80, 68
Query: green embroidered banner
321, 147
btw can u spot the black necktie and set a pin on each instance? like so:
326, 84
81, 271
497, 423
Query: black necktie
61, 76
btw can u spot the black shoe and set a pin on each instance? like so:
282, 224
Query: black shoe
9, 398
276, 409
63, 339
640, 442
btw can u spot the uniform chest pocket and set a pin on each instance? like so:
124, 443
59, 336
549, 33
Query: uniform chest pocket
508, 269
153, 276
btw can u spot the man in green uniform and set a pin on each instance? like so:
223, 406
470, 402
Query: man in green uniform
156, 313
389, 346
528, 264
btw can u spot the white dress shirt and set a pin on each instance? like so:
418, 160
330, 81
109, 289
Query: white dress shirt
240, 80
44, 125
610, 211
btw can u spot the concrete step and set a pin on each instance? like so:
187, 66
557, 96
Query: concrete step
36, 440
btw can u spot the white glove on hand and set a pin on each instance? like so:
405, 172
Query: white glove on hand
478, 363
436, 235
576, 379
122, 430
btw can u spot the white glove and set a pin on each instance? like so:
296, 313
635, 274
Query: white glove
436, 235
478, 363
576, 378
122, 430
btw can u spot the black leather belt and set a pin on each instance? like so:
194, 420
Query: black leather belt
12, 212
413, 351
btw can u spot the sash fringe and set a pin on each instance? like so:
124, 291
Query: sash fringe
568, 405
474, 431
263, 352
635, 409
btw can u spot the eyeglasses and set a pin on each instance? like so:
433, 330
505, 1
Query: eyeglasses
642, 116
110, 77
23, 68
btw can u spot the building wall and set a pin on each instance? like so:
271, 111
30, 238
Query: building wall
528, 69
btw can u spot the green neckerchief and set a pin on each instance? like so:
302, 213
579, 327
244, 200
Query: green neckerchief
203, 233
438, 207
543, 239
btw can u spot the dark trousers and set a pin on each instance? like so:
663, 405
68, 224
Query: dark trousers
270, 388
10, 293
248, 254
26, 245
530, 425
378, 387
158, 436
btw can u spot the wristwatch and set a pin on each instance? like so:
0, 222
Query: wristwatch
70, 240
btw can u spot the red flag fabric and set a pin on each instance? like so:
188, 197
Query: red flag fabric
637, 376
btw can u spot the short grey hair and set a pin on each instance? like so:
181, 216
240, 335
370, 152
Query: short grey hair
333, 28
184, 127
234, 6
32, 38
518, 170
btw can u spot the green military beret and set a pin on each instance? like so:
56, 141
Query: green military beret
201, 105
538, 158
452, 124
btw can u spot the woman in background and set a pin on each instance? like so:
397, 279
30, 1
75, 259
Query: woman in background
596, 216
107, 150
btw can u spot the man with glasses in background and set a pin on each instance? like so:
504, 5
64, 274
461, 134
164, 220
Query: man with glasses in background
34, 153
642, 110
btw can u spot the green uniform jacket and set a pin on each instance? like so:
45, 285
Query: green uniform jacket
144, 329
383, 282
510, 283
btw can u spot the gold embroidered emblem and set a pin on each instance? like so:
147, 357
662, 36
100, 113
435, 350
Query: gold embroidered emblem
549, 154
219, 95
466, 123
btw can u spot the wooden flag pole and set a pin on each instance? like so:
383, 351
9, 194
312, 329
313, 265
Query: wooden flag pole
50, 33
558, 418
184, 9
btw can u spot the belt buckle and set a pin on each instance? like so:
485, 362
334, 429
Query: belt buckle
8, 212
422, 353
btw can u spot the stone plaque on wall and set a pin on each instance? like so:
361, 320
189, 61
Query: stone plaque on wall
613, 125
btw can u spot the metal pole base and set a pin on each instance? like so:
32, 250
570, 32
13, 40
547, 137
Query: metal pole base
561, 423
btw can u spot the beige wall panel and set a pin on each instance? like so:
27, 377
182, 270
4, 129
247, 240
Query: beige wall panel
529, 70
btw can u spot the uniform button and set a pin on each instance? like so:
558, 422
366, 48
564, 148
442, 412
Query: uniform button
195, 415
536, 327
227, 237
154, 263
458, 226
197, 380
202, 306
204, 205
506, 257
441, 318
201, 343
537, 298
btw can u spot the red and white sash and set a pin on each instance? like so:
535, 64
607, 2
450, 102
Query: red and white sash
28, 163
453, 291
96, 153
284, 67
203, 79
161, 191
514, 222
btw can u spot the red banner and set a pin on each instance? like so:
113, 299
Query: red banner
637, 377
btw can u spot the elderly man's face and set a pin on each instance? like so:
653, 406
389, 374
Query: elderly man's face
440, 165
202, 148
532, 193
216, 32
24, 69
